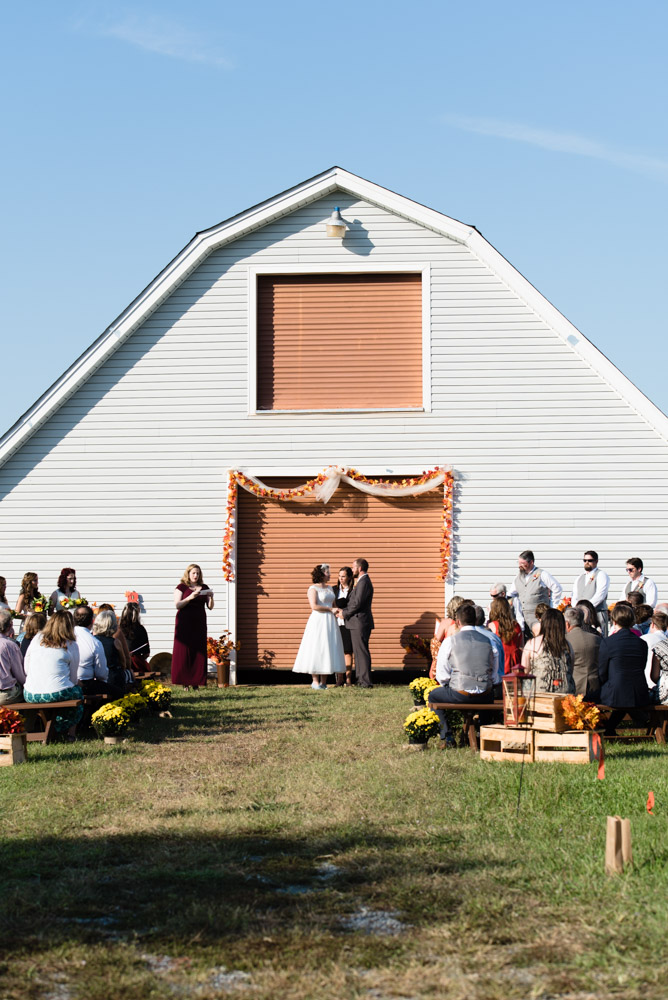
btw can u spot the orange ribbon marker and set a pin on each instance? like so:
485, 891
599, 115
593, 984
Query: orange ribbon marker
650, 803
599, 754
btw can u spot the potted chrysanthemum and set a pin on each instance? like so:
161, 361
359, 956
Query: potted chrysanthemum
158, 696
111, 722
420, 726
420, 688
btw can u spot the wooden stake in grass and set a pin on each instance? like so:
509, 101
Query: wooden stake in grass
618, 851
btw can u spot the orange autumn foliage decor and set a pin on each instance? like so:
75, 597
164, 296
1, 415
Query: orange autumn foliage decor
237, 478
10, 722
580, 714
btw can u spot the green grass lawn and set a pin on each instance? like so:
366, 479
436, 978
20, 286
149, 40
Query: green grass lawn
220, 853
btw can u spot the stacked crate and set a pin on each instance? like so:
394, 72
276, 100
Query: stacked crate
545, 736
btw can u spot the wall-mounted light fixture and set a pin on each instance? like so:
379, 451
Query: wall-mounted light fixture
336, 227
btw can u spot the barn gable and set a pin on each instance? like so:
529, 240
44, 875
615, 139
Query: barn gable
120, 468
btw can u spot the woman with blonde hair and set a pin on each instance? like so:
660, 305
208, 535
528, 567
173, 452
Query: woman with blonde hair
191, 599
105, 628
51, 666
445, 627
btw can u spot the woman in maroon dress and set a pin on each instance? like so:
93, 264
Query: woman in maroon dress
192, 597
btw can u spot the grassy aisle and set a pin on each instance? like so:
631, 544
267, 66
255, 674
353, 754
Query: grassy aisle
222, 852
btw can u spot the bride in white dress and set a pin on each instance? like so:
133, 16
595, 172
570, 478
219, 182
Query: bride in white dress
321, 649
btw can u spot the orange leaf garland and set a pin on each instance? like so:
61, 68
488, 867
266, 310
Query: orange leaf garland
237, 478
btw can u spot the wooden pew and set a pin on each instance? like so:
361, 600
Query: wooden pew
45, 711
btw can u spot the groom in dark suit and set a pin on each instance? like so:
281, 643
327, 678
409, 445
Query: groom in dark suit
357, 616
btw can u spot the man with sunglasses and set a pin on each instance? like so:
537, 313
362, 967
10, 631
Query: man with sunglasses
637, 581
593, 585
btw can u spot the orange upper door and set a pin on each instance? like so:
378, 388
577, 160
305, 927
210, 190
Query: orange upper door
332, 341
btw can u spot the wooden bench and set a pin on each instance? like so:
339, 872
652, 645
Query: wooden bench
468, 711
46, 711
657, 725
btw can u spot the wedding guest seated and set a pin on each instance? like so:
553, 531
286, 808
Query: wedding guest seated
493, 638
659, 672
635, 599
502, 622
643, 615
622, 660
33, 624
12, 673
125, 649
655, 635
591, 622
539, 612
585, 646
104, 629
66, 589
136, 637
93, 672
51, 666
467, 668
444, 627
549, 656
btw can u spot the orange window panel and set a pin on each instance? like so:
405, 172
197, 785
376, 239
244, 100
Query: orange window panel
339, 341
278, 544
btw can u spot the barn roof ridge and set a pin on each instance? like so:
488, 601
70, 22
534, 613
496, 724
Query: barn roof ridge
334, 178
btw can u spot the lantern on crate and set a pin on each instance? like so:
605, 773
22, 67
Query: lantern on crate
519, 693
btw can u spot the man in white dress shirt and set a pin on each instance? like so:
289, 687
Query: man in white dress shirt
593, 585
93, 672
533, 586
467, 668
638, 581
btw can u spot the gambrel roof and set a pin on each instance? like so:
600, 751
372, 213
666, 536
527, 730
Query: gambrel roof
334, 179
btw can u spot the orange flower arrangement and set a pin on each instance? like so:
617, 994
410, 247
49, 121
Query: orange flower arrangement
566, 603
237, 478
580, 714
220, 649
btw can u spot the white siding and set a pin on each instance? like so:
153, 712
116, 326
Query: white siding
126, 481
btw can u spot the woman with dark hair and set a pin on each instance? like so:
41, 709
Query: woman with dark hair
66, 589
191, 598
321, 649
539, 611
342, 591
34, 623
590, 623
502, 623
549, 656
51, 666
3, 593
136, 636
622, 659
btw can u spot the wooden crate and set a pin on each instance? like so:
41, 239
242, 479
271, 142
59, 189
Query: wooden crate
13, 749
547, 715
569, 748
504, 743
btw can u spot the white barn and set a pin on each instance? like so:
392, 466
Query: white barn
268, 346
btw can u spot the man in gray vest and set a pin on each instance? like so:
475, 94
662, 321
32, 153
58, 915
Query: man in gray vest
467, 668
593, 585
585, 646
533, 586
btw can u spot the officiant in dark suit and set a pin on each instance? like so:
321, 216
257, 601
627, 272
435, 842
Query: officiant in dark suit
359, 619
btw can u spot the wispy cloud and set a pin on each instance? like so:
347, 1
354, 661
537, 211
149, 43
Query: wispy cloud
158, 34
561, 142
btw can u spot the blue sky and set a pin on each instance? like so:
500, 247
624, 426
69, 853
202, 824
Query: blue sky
128, 127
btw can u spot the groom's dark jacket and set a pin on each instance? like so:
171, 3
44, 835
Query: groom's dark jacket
357, 615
